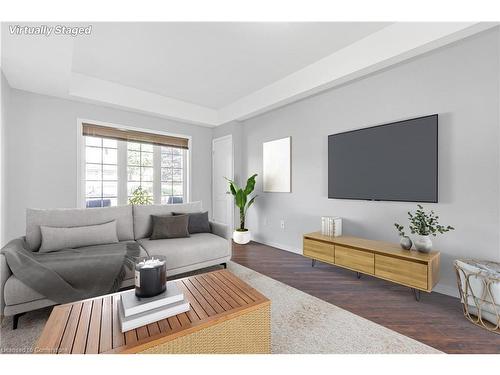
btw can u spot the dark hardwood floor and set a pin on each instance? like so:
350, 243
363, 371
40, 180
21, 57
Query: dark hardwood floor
437, 320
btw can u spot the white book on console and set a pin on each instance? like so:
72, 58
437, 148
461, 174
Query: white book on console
338, 227
134, 305
148, 317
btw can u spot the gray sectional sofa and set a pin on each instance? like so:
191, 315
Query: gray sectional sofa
134, 223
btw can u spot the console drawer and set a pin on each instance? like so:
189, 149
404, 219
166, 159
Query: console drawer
405, 272
354, 259
318, 250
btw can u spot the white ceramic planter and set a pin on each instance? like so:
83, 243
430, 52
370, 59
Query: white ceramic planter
241, 237
423, 244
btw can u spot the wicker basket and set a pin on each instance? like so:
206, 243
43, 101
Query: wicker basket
479, 287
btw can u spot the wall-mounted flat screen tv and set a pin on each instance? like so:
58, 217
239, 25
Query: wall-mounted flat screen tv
392, 162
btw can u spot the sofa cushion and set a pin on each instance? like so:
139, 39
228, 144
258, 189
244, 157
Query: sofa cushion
56, 238
168, 226
16, 291
143, 223
181, 252
74, 217
198, 222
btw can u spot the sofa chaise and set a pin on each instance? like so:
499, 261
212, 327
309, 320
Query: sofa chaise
134, 223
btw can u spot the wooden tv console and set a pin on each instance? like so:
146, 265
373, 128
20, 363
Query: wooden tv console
384, 260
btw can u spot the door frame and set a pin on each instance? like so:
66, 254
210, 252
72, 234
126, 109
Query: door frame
229, 136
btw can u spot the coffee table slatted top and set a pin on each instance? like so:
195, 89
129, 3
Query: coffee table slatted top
91, 326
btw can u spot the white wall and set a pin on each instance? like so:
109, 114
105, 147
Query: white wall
461, 84
4, 99
41, 163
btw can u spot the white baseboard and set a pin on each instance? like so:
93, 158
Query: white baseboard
446, 289
278, 245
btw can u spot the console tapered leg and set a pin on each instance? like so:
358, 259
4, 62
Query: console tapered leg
416, 292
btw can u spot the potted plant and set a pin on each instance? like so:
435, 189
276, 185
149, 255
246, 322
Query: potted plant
242, 235
425, 224
140, 196
404, 241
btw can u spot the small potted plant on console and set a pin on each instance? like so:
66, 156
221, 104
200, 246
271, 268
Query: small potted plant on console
404, 240
425, 224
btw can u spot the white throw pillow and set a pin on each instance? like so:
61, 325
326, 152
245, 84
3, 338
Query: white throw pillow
56, 238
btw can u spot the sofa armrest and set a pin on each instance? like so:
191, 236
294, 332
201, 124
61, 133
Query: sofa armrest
221, 230
5, 272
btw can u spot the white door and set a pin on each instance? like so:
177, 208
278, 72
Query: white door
222, 166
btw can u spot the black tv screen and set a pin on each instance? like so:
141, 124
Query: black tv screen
391, 162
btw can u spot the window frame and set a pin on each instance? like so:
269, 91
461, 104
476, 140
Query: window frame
122, 163
101, 147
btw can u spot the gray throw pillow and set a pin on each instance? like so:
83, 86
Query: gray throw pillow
198, 222
168, 226
57, 238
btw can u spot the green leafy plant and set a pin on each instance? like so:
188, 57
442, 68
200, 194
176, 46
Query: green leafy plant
241, 198
140, 196
426, 223
401, 229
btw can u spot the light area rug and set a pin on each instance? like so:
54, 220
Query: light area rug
300, 324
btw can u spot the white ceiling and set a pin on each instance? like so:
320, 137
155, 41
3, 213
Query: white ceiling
209, 64
213, 73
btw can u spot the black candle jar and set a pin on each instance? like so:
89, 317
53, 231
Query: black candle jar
150, 276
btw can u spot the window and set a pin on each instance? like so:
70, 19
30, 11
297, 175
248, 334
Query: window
140, 169
115, 165
172, 175
101, 172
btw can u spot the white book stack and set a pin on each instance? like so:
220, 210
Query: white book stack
331, 226
135, 312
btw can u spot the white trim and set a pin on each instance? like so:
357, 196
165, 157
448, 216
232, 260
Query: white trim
280, 246
189, 172
80, 162
80, 165
446, 289
223, 137
122, 173
156, 174
229, 136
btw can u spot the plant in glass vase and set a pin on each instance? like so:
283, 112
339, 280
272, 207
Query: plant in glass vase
241, 198
425, 224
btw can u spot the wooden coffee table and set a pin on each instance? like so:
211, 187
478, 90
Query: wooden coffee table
227, 316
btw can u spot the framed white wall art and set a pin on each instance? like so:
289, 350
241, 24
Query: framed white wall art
277, 168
